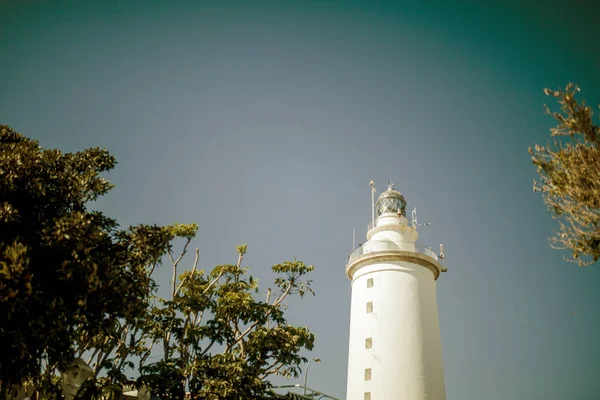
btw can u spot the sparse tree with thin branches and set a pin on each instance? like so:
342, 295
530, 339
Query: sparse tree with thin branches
220, 339
569, 169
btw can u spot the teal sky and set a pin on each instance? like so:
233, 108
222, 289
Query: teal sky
264, 121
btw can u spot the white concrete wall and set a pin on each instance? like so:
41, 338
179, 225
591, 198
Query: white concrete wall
393, 228
406, 357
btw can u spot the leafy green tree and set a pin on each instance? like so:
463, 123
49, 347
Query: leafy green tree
569, 169
72, 284
220, 339
66, 273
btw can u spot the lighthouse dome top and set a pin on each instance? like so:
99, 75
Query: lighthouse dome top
391, 201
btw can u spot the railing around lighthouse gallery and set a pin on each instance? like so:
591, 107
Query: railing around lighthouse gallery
386, 245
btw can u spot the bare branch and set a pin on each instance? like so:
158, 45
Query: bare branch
176, 262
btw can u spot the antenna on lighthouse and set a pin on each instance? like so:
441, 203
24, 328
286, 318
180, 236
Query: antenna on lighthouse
414, 218
441, 256
372, 184
353, 238
415, 223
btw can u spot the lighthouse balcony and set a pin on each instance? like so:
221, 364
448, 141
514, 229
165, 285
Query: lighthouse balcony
388, 250
387, 246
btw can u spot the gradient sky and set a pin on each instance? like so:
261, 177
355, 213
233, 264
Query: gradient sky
264, 121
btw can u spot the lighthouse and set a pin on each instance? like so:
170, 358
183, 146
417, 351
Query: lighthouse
394, 348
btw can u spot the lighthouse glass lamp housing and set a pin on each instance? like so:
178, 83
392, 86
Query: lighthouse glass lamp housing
391, 201
394, 346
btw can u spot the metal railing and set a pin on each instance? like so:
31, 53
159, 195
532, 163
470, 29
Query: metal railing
386, 245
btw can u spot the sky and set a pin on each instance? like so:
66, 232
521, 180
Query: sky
264, 122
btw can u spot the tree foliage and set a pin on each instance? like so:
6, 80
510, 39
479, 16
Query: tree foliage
219, 335
74, 285
569, 169
219, 338
64, 270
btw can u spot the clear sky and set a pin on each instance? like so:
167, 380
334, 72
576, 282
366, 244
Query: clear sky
264, 121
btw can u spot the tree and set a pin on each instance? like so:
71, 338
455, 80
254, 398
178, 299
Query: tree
65, 271
72, 284
569, 170
220, 339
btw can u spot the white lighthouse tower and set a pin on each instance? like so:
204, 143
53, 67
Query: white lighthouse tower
395, 351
